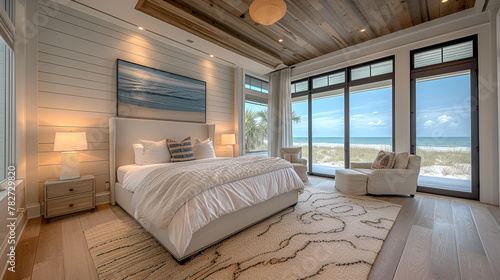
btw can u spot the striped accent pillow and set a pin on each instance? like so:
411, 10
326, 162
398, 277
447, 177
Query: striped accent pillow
182, 151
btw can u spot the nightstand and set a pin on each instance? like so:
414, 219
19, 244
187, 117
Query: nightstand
68, 196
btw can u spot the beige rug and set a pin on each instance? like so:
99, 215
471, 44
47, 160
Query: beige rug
325, 236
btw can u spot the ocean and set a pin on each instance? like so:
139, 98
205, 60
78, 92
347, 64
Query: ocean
147, 87
421, 141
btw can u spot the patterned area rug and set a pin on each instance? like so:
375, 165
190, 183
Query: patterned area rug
325, 236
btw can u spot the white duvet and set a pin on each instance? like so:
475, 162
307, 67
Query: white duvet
217, 201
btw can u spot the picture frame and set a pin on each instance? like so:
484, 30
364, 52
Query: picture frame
149, 93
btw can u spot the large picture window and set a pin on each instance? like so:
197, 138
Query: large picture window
345, 115
445, 117
256, 112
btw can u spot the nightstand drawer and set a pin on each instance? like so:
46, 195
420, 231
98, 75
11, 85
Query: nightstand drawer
57, 190
57, 207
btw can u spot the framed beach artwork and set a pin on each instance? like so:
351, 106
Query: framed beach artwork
149, 93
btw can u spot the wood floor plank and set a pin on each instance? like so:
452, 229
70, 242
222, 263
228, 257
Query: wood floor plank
416, 259
102, 214
444, 259
489, 232
49, 263
495, 212
26, 250
77, 264
119, 212
472, 258
388, 258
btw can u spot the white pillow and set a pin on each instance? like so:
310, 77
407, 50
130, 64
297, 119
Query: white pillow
203, 149
138, 151
155, 152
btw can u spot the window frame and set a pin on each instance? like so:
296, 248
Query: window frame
256, 97
346, 86
443, 68
7, 34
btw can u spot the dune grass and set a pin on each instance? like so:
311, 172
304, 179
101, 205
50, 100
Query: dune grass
452, 163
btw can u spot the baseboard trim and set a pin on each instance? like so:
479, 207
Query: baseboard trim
34, 210
22, 221
102, 198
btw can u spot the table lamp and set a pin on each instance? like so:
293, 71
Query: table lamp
229, 140
69, 143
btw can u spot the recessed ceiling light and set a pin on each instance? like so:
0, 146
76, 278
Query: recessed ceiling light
211, 55
140, 28
362, 30
280, 40
444, 1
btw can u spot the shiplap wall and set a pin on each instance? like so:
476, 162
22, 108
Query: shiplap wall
77, 56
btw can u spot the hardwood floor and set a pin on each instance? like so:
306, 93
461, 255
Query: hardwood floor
434, 237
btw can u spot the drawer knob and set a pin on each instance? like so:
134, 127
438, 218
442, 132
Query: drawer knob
71, 205
70, 190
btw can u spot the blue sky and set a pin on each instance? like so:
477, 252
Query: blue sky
442, 111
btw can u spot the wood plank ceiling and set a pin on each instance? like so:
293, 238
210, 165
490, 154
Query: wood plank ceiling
309, 29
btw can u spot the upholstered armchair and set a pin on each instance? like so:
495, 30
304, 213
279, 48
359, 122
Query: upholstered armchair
294, 156
390, 181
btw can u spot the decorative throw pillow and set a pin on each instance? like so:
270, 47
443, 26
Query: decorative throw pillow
401, 161
384, 160
203, 149
154, 152
138, 151
182, 151
293, 158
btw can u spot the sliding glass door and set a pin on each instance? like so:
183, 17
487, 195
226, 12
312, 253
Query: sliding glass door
370, 120
327, 127
444, 124
347, 113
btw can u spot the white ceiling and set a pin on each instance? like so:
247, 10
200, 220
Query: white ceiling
114, 10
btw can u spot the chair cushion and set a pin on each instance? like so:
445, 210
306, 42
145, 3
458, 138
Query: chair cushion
384, 160
350, 181
401, 161
297, 151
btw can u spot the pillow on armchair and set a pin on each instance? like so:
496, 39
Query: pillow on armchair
292, 155
384, 160
293, 158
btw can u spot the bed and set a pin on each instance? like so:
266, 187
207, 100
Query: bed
126, 131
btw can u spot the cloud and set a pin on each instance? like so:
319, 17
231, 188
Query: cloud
444, 119
358, 115
379, 122
375, 112
326, 118
429, 123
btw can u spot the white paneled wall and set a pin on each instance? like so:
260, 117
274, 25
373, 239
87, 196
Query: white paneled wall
77, 56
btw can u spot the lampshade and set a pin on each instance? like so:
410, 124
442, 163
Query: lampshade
228, 139
267, 12
70, 141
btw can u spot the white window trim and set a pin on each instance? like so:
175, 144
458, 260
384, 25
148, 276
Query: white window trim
241, 98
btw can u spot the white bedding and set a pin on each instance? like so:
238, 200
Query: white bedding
217, 201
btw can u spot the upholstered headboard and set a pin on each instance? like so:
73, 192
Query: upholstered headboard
123, 132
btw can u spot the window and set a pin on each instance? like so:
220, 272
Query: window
256, 127
444, 121
341, 119
300, 86
256, 84
7, 103
256, 110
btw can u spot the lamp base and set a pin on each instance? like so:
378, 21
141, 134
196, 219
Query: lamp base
229, 150
69, 166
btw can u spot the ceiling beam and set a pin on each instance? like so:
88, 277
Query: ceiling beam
203, 26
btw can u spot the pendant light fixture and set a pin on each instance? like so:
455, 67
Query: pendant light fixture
267, 12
